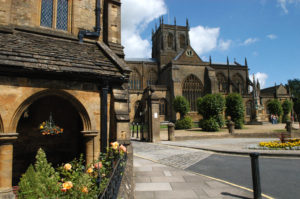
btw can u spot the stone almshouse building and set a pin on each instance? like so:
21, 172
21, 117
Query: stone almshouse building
62, 58
175, 69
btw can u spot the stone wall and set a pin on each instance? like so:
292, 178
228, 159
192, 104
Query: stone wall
81, 16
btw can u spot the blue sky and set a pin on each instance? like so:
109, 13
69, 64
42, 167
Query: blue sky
267, 32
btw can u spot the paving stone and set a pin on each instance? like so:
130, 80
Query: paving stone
140, 179
153, 187
149, 173
186, 185
167, 173
144, 168
167, 179
144, 194
216, 184
186, 194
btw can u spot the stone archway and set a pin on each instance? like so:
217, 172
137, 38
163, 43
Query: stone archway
59, 148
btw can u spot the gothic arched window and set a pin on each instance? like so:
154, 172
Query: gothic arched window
182, 41
57, 8
135, 81
222, 82
238, 84
163, 107
152, 78
170, 40
192, 89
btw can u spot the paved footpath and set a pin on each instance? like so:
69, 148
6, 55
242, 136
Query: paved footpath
164, 177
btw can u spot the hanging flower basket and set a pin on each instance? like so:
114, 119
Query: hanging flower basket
49, 128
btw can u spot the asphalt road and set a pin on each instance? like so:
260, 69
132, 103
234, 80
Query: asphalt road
280, 177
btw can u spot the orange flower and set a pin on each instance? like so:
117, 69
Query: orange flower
63, 189
84, 190
98, 165
68, 167
67, 185
62, 130
90, 170
123, 148
115, 145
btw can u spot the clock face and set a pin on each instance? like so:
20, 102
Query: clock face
189, 53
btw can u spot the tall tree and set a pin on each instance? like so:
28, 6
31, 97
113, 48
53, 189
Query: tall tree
294, 86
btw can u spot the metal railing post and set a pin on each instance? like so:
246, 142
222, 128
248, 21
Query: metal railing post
255, 175
137, 130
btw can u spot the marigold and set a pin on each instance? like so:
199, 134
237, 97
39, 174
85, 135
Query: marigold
68, 167
84, 190
67, 185
123, 148
115, 145
90, 170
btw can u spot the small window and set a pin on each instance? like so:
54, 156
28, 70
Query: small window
55, 18
182, 41
170, 40
162, 107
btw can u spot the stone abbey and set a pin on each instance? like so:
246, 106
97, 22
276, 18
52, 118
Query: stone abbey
175, 69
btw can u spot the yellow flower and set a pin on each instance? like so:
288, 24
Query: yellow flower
115, 145
41, 127
67, 185
84, 190
68, 167
90, 170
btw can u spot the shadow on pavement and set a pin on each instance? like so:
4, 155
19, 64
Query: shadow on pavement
233, 195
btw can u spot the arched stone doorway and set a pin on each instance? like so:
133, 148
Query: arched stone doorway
59, 148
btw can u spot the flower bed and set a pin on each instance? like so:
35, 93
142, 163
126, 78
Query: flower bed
73, 179
291, 144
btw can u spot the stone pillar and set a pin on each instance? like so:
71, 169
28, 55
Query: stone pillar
155, 120
6, 164
89, 146
171, 129
231, 127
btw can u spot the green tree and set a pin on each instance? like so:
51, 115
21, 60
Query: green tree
294, 86
211, 107
297, 107
286, 108
235, 109
181, 105
275, 107
40, 181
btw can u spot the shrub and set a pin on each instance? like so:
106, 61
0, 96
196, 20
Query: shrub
286, 108
181, 105
211, 107
274, 107
235, 109
185, 123
71, 180
210, 124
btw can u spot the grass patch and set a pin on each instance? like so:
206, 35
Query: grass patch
279, 130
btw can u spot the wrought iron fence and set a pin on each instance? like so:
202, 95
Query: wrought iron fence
112, 189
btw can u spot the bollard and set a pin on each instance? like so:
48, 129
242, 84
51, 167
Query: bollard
230, 127
171, 136
132, 130
255, 175
289, 126
137, 130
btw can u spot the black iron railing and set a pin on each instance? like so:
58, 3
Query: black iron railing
112, 189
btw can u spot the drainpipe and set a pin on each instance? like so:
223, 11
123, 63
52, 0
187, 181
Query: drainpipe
84, 33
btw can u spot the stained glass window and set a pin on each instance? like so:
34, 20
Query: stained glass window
47, 13
62, 15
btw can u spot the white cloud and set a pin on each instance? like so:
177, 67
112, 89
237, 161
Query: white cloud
272, 36
262, 78
249, 41
283, 4
206, 39
136, 15
224, 45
